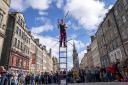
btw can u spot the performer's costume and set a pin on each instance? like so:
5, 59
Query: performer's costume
62, 27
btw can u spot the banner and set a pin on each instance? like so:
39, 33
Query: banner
33, 59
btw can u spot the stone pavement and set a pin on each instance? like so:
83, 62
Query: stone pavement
103, 83
98, 83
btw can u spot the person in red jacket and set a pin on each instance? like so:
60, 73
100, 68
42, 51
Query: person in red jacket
113, 71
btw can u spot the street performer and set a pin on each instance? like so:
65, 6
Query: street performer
62, 27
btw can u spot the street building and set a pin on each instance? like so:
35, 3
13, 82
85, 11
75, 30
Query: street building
16, 53
112, 35
47, 60
95, 52
21, 51
33, 52
87, 60
84, 63
39, 57
89, 57
120, 13
55, 64
4, 8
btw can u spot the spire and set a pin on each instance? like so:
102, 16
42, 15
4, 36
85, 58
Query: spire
50, 52
75, 57
74, 47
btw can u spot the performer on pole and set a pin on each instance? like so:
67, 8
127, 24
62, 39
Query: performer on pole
62, 27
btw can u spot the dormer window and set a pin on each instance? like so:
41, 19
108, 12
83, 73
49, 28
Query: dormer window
109, 23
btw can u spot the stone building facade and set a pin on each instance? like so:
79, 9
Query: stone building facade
17, 43
21, 51
84, 63
47, 61
112, 35
89, 57
95, 52
4, 8
120, 12
33, 52
39, 58
55, 64
87, 60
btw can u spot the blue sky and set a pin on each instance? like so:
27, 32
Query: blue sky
82, 21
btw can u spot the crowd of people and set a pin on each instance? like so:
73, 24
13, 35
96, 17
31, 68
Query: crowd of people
114, 72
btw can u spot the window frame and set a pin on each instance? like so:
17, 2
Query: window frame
15, 42
18, 46
124, 19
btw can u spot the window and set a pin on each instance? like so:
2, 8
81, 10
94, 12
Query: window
1, 18
15, 42
124, 19
18, 44
24, 48
116, 12
17, 62
119, 55
115, 30
21, 45
124, 34
29, 40
118, 42
109, 23
19, 20
20, 32
17, 30
28, 50
22, 63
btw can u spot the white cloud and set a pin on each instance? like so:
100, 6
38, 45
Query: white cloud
44, 28
75, 27
21, 5
18, 5
42, 13
42, 19
59, 3
89, 13
39, 4
73, 36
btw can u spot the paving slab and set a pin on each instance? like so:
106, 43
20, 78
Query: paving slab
97, 83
